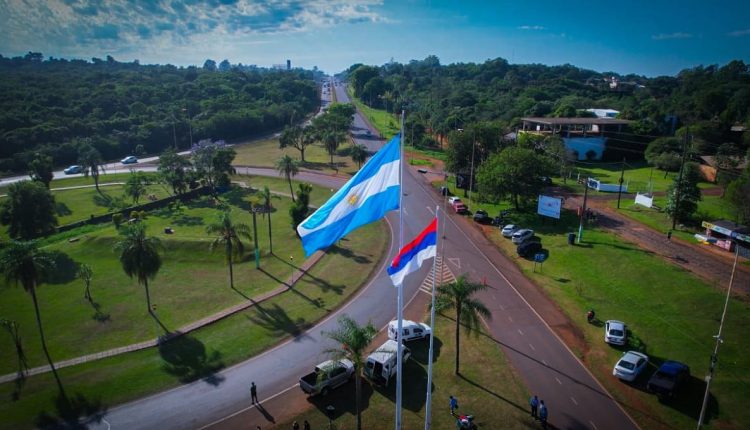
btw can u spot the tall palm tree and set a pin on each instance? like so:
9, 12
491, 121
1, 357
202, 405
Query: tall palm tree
91, 161
139, 256
359, 154
289, 167
85, 273
458, 295
229, 235
24, 262
265, 197
353, 339
331, 142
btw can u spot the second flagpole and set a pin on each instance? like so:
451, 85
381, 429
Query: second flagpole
400, 301
428, 405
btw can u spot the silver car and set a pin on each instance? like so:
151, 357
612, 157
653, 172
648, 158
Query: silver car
615, 332
630, 365
509, 229
522, 235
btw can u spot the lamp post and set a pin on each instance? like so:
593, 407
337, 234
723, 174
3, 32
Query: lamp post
291, 263
254, 210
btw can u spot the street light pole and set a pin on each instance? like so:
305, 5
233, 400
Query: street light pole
471, 173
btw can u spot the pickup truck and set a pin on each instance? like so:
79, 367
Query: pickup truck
327, 376
666, 381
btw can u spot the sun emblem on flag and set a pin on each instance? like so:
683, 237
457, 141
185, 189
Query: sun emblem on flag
353, 199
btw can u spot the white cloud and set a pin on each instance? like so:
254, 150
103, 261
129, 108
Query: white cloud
666, 36
739, 33
531, 27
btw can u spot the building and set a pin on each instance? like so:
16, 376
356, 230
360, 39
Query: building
585, 137
604, 113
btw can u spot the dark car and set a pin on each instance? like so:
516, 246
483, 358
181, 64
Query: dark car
528, 249
668, 379
482, 217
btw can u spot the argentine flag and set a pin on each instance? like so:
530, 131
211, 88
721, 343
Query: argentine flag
372, 192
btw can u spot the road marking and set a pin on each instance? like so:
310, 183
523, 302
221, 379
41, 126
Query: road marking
558, 380
593, 425
520, 332
249, 407
532, 347
455, 261
502, 308
545, 363
574, 400
510, 319
432, 211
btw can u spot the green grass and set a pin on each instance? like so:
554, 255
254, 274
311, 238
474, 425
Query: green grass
671, 313
489, 389
199, 355
265, 153
386, 123
639, 176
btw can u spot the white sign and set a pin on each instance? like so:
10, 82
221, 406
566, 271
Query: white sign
549, 206
644, 200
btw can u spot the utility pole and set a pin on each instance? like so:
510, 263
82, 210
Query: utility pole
583, 209
471, 173
622, 175
679, 179
255, 239
714, 356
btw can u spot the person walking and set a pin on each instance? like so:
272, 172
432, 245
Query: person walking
534, 403
306, 425
543, 414
295, 426
453, 403
253, 392
669, 235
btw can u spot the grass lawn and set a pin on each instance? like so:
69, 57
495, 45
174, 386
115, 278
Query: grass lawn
671, 315
386, 123
105, 383
265, 153
488, 388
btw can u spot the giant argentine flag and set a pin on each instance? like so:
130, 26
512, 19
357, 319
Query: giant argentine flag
372, 192
411, 256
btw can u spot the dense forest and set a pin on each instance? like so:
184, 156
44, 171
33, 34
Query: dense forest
711, 100
54, 106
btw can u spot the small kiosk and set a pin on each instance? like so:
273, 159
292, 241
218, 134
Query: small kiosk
724, 233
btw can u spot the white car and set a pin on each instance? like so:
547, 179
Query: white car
615, 332
411, 330
630, 365
509, 229
454, 199
130, 159
522, 235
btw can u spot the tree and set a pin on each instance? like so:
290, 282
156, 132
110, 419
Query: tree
361, 76
40, 169
331, 142
514, 172
230, 235
728, 157
459, 296
737, 195
85, 273
213, 162
210, 65
359, 154
297, 137
135, 186
353, 340
24, 263
288, 167
174, 171
664, 153
91, 160
301, 207
28, 211
265, 197
560, 155
12, 328
688, 192
139, 256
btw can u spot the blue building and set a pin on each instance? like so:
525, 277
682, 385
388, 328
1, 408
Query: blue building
585, 137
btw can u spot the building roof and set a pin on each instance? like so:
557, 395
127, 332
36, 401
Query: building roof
711, 161
577, 121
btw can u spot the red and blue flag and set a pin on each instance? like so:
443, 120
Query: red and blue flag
411, 256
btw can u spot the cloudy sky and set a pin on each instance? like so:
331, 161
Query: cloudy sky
645, 37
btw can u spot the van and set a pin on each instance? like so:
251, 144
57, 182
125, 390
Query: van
410, 330
381, 363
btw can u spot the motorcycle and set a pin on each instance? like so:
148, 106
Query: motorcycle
590, 315
465, 422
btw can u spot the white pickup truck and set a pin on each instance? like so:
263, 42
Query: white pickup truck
327, 376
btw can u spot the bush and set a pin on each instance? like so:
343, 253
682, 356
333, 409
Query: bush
117, 220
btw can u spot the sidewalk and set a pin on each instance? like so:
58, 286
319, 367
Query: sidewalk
299, 273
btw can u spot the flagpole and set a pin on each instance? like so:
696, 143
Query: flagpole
400, 302
428, 407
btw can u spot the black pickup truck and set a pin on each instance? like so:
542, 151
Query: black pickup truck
666, 381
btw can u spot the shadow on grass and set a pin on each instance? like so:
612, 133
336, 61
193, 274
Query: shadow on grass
343, 399
65, 269
318, 302
307, 277
236, 197
72, 413
420, 350
187, 220
276, 320
492, 393
186, 358
349, 254
99, 316
61, 209
413, 395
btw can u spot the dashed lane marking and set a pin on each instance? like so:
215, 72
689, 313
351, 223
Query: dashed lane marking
593, 425
520, 332
510, 319
574, 400
532, 347
558, 380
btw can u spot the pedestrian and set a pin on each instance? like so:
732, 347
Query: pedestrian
453, 402
295, 426
253, 392
534, 403
306, 425
669, 235
543, 414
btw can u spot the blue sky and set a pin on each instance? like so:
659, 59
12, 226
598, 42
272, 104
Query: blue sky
643, 37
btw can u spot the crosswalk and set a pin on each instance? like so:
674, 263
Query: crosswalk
444, 276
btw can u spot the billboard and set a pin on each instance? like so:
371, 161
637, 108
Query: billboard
549, 206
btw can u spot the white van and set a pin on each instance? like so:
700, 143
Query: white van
410, 330
381, 363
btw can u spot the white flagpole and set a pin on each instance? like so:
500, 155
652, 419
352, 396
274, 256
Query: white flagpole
428, 407
400, 302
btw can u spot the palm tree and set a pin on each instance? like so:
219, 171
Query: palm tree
331, 142
139, 256
458, 295
265, 197
85, 273
289, 167
359, 154
353, 339
24, 262
229, 234
91, 161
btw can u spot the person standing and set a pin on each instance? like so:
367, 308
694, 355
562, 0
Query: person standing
306, 425
295, 426
669, 235
253, 392
453, 402
543, 414
534, 403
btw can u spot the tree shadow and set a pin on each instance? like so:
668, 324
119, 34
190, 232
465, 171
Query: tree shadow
343, 399
307, 277
349, 254
61, 209
318, 302
277, 321
420, 350
186, 358
236, 197
492, 393
187, 220
65, 269
99, 316
72, 413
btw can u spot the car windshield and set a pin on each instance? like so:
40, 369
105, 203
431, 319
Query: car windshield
626, 364
615, 332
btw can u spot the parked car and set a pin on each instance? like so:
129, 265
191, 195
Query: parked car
327, 376
454, 199
668, 378
509, 229
615, 332
130, 159
460, 208
630, 365
410, 330
482, 217
380, 365
72, 170
528, 249
522, 235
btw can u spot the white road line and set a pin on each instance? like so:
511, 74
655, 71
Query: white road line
520, 332
502, 308
249, 407
545, 363
593, 425
558, 380
574, 400
432, 211
510, 319
532, 347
